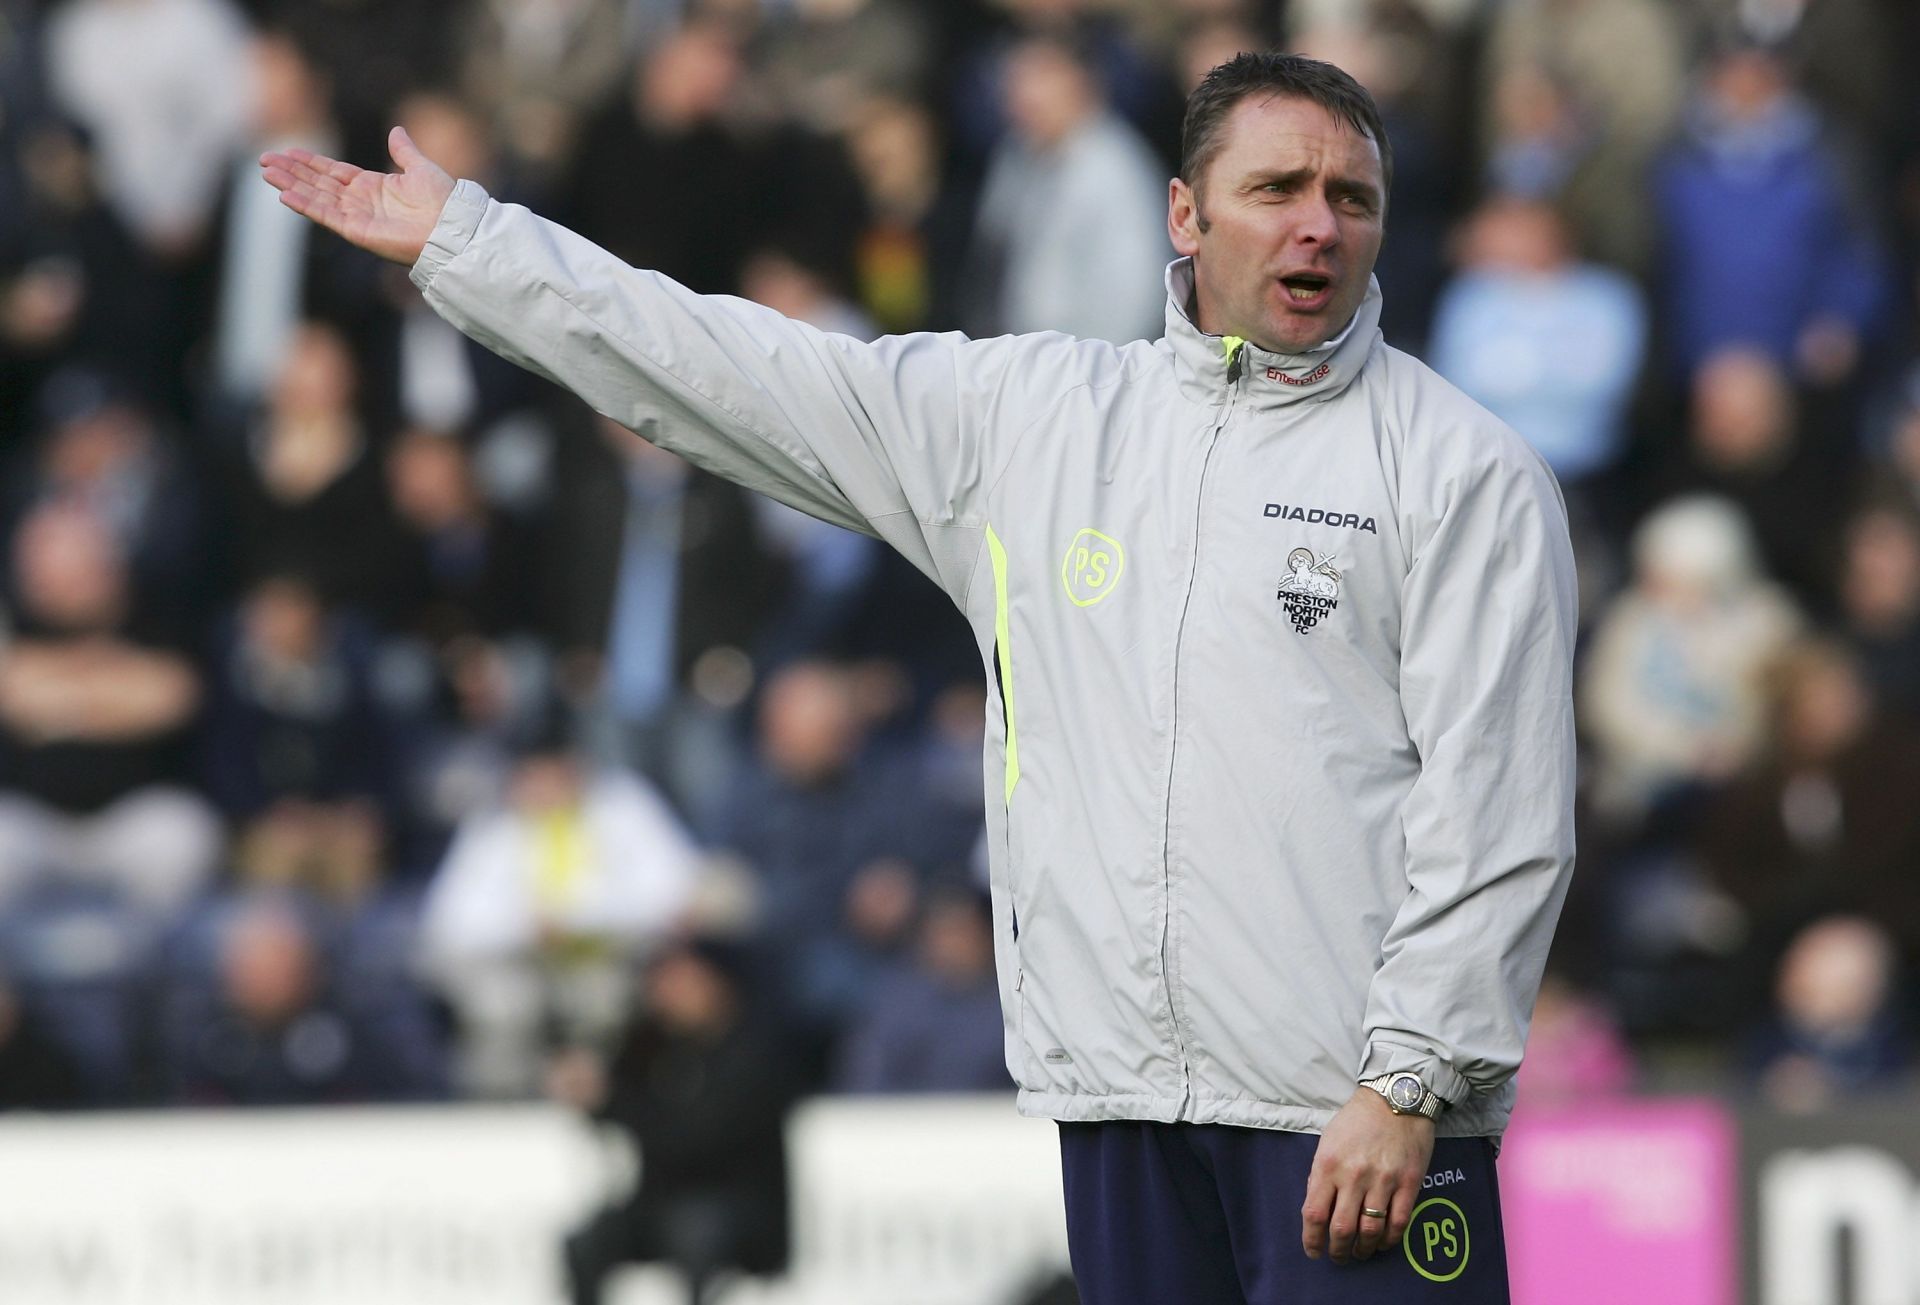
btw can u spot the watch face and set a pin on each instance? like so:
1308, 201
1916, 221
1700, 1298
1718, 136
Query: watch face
1405, 1091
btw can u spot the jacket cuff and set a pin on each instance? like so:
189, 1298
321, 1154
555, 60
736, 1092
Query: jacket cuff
1441, 1078
459, 220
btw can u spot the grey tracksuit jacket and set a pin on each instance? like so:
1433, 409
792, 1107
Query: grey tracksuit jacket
1280, 769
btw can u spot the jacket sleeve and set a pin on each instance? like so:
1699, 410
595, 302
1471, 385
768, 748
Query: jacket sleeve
1487, 640
898, 438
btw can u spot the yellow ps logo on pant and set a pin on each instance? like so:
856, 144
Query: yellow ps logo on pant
1092, 567
1436, 1240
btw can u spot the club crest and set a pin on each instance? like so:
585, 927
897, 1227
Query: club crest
1310, 591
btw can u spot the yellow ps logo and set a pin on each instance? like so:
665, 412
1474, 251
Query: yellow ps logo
1092, 567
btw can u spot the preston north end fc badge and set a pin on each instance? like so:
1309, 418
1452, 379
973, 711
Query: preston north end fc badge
1310, 591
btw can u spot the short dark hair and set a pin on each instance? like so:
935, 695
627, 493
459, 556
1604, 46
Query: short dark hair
1273, 73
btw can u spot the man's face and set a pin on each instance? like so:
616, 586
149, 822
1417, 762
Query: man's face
1284, 226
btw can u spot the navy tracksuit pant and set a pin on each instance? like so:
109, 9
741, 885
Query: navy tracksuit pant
1209, 1214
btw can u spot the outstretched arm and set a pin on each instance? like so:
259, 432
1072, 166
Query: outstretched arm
900, 438
388, 213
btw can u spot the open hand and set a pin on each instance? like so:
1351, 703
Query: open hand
388, 213
1369, 1158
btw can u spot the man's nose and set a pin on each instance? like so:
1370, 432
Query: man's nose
1318, 224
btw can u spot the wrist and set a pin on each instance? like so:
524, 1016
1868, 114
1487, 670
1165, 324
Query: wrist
1384, 1056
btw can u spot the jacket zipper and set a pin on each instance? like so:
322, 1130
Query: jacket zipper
1173, 745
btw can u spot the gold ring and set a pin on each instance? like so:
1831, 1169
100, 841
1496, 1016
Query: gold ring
1372, 1213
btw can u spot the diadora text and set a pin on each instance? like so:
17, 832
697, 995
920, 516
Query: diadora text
1320, 516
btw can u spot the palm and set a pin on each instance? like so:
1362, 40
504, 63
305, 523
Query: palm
389, 213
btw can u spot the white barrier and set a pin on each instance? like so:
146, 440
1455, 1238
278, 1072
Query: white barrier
924, 1202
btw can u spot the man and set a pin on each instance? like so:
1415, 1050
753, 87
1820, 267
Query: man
1267, 890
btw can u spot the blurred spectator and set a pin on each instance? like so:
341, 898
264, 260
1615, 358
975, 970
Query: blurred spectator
1671, 693
1880, 600
464, 567
75, 285
536, 69
1579, 96
679, 614
1132, 81
825, 829
274, 1033
103, 450
272, 272
1763, 242
1204, 42
1826, 820
36, 1073
1902, 440
830, 571
333, 850
1845, 53
941, 760
907, 260
532, 921
696, 188
1070, 234
1551, 345
1835, 1032
934, 1027
825, 58
95, 703
292, 722
680, 203
111, 63
1748, 442
374, 54
462, 712
701, 1081
309, 490
1576, 1053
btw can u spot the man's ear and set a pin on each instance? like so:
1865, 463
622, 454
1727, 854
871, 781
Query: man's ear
1183, 218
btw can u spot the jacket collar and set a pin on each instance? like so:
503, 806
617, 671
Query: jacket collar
1205, 363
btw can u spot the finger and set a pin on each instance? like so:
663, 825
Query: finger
283, 169
298, 198
344, 173
309, 203
315, 177
1372, 1228
1400, 1213
1316, 1213
1345, 1224
405, 153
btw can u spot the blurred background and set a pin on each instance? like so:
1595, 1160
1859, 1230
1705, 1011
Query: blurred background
387, 739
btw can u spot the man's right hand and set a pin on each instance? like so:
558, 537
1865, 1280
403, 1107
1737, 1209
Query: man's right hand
388, 213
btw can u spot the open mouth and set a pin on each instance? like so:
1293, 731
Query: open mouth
1306, 287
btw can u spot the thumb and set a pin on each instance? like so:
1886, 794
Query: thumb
404, 151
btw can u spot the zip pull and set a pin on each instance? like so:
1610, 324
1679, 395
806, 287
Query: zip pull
1233, 344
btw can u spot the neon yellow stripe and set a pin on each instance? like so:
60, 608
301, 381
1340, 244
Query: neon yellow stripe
1233, 344
1005, 643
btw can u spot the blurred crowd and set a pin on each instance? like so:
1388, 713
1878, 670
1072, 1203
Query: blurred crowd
376, 723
